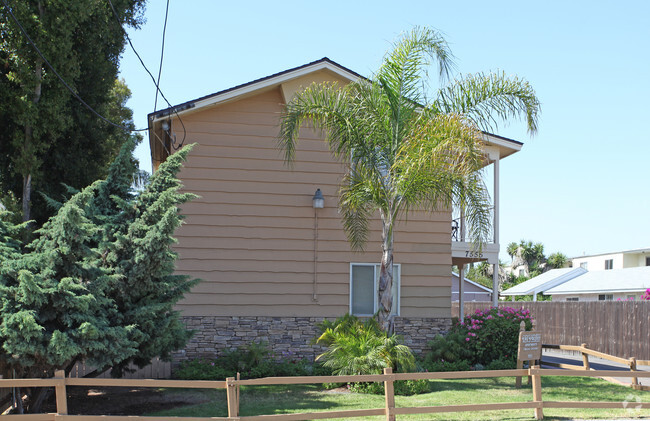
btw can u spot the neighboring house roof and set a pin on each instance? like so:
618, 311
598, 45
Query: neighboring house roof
545, 281
636, 279
633, 251
454, 274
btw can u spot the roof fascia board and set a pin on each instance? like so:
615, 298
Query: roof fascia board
226, 96
502, 142
594, 291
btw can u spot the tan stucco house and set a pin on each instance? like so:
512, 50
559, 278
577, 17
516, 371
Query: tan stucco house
272, 265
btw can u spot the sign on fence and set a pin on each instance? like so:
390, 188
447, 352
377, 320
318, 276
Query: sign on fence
530, 346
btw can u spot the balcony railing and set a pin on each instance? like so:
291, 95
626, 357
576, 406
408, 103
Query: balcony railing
459, 232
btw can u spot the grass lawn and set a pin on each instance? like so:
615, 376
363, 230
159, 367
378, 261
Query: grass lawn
259, 400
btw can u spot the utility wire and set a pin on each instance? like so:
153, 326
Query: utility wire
22, 29
162, 53
152, 78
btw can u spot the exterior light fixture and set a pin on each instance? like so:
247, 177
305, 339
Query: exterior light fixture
318, 200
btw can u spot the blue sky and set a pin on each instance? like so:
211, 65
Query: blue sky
578, 186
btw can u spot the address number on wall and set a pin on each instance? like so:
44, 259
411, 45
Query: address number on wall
473, 254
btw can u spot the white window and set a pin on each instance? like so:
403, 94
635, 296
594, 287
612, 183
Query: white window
583, 265
573, 299
364, 281
609, 264
605, 297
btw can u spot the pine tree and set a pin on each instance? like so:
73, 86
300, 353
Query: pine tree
145, 261
98, 282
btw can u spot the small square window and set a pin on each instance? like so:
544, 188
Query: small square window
584, 265
364, 281
609, 264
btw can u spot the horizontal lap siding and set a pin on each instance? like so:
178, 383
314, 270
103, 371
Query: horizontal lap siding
249, 236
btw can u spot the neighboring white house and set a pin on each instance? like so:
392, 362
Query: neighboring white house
472, 291
604, 285
544, 282
615, 260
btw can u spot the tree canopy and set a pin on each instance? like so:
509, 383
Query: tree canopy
97, 282
48, 136
406, 152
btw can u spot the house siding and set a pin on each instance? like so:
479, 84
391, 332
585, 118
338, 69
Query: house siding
250, 234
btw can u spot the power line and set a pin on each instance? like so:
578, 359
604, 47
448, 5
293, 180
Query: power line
152, 78
22, 29
162, 53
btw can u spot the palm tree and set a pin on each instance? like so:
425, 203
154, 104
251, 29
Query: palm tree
405, 152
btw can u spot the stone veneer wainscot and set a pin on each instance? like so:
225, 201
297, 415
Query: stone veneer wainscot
214, 334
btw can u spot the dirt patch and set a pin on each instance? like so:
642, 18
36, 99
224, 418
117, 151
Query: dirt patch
122, 400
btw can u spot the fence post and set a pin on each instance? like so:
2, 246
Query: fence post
61, 395
231, 395
537, 391
389, 392
635, 380
520, 363
585, 357
238, 378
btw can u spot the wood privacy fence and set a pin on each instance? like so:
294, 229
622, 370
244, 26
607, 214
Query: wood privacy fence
613, 327
389, 410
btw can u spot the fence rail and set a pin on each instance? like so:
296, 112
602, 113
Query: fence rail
232, 385
612, 327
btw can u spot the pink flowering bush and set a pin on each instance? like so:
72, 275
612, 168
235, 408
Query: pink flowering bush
493, 334
485, 337
646, 295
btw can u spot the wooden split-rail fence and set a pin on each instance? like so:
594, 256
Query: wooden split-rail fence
632, 362
389, 410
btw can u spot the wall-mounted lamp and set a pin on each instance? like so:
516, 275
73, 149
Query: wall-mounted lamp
318, 200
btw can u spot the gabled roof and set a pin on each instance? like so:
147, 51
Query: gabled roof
159, 150
455, 275
257, 84
545, 281
635, 279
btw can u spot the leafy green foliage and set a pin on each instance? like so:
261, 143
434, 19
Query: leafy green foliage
484, 337
400, 387
97, 282
356, 347
405, 152
252, 361
556, 261
48, 137
436, 365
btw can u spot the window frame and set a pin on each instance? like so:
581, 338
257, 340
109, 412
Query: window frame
609, 264
397, 269
606, 297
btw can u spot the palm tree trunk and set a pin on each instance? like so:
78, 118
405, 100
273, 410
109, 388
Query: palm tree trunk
385, 290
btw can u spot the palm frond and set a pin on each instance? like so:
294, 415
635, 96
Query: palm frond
356, 204
488, 98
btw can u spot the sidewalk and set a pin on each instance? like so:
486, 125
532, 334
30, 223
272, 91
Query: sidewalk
554, 356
